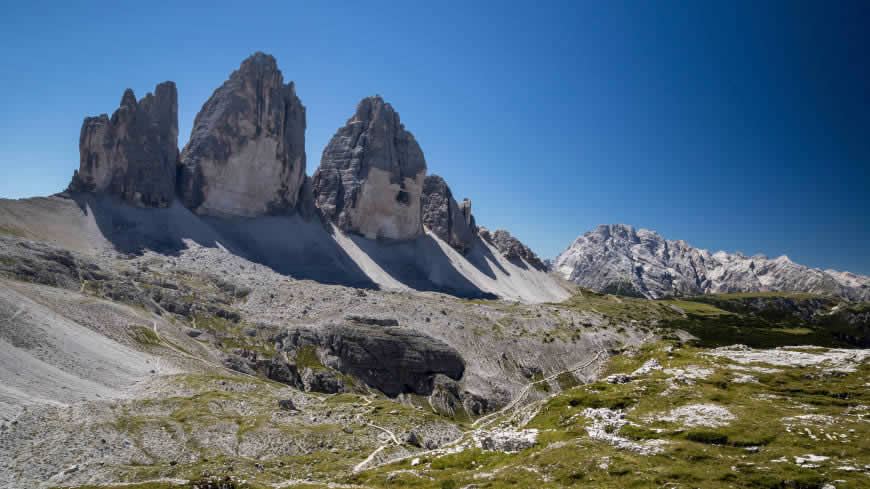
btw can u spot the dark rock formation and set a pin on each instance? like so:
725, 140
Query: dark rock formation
133, 155
42, 263
411, 438
392, 359
445, 398
246, 154
371, 175
373, 321
511, 248
449, 221
287, 405
321, 381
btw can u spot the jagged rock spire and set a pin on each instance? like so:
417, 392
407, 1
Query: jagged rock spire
133, 155
246, 154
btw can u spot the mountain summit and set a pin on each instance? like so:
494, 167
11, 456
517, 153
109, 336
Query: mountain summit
246, 154
621, 259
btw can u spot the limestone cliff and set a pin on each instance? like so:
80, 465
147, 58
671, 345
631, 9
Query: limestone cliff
246, 154
370, 178
133, 154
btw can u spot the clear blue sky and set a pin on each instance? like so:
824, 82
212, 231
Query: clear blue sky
735, 126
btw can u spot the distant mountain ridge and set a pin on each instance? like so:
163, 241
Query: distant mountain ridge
620, 259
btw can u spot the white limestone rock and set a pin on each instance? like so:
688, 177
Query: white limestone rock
246, 154
370, 179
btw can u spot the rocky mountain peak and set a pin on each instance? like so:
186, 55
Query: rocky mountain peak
618, 258
246, 154
511, 248
259, 61
128, 99
133, 155
370, 178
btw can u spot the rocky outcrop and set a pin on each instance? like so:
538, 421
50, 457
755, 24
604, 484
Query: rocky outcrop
246, 154
393, 359
370, 178
511, 248
622, 259
449, 221
508, 440
132, 155
372, 320
325, 381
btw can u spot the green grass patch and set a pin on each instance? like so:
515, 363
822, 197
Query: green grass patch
467, 459
635, 432
707, 436
306, 357
567, 380
144, 336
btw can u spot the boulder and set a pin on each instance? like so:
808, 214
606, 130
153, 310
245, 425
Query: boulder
317, 380
393, 359
411, 438
506, 440
133, 155
451, 222
192, 332
445, 399
287, 405
246, 154
370, 178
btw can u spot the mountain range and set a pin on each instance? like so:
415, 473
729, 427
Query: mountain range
212, 317
370, 215
638, 262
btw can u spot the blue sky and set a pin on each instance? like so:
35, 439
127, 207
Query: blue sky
732, 125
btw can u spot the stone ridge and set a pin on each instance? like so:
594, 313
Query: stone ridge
621, 259
448, 220
133, 155
246, 153
511, 248
370, 178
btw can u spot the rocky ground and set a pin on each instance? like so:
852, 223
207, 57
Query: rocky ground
202, 367
204, 364
730, 417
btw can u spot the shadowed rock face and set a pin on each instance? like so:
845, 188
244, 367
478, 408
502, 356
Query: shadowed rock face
371, 175
449, 221
389, 358
132, 155
246, 154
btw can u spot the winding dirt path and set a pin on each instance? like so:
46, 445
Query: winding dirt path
484, 421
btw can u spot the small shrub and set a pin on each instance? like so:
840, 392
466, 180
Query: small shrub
708, 437
449, 484
638, 433
592, 400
